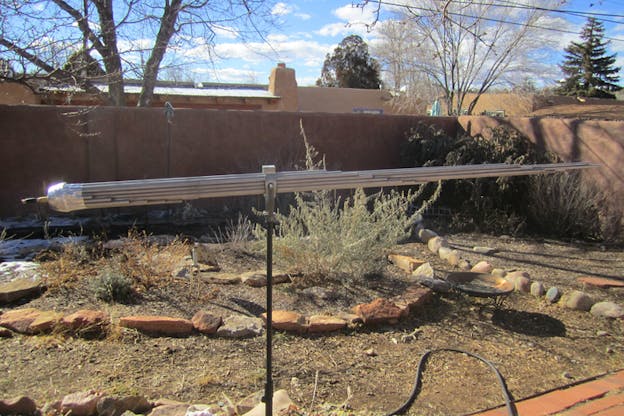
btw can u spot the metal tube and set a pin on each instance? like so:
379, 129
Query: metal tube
72, 197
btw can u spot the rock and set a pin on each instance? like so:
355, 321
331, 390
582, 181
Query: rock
407, 263
435, 243
553, 294
258, 278
498, 272
238, 326
444, 252
484, 250
601, 282
453, 258
425, 270
413, 298
607, 309
482, 267
249, 402
12, 270
117, 406
351, 318
45, 322
281, 403
323, 323
522, 284
577, 300
437, 285
169, 410
206, 323
20, 405
287, 321
5, 333
158, 325
81, 404
319, 293
512, 276
425, 235
182, 272
210, 410
538, 289
379, 311
20, 289
19, 320
86, 322
220, 278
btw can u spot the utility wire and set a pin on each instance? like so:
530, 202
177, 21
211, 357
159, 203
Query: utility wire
490, 19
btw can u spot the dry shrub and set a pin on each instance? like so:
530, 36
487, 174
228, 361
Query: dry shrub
237, 233
567, 205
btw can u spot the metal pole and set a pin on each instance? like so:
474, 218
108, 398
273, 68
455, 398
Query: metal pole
269, 203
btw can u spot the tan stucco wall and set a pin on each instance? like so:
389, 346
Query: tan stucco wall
343, 100
15, 93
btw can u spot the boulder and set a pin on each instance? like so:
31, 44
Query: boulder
45, 322
425, 235
281, 403
323, 323
287, 321
435, 243
379, 311
424, 270
118, 406
239, 326
482, 267
407, 263
206, 323
538, 289
607, 309
553, 294
158, 325
81, 403
20, 405
20, 289
86, 321
578, 300
19, 320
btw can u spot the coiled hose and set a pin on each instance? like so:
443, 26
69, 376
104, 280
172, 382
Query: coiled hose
511, 408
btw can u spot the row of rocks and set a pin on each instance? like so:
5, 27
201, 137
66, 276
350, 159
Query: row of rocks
94, 403
521, 280
95, 323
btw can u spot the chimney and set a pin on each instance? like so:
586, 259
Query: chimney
282, 83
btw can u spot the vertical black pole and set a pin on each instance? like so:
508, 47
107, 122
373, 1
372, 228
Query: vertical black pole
270, 193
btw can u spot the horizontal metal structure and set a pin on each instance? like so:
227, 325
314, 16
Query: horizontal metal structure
67, 197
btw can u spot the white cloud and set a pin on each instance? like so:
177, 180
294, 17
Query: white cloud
227, 32
354, 20
282, 9
352, 14
303, 16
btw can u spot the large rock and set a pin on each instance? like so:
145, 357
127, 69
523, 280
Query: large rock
323, 323
81, 403
258, 278
435, 243
601, 282
413, 298
578, 300
379, 311
538, 289
239, 326
425, 270
249, 402
11, 270
287, 321
482, 267
425, 235
220, 278
20, 405
607, 309
45, 322
170, 410
206, 323
19, 320
553, 294
158, 325
86, 322
20, 289
407, 263
281, 403
117, 406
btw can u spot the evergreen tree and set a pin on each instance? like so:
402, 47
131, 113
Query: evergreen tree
350, 66
588, 70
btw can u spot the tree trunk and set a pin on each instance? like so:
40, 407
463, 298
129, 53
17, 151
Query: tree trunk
110, 53
166, 31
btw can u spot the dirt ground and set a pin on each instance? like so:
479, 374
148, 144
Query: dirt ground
536, 346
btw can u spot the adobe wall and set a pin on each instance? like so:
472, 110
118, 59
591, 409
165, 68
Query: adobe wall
42, 145
598, 141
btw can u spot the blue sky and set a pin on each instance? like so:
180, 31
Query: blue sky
309, 29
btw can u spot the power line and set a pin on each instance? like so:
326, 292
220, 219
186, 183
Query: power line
490, 19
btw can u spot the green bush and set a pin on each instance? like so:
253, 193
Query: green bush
112, 286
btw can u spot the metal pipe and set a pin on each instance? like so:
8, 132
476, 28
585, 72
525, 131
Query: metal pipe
67, 197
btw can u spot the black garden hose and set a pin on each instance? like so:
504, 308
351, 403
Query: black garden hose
511, 408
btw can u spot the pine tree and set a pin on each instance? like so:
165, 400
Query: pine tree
588, 70
350, 66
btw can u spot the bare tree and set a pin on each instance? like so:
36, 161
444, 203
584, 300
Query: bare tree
468, 46
41, 35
